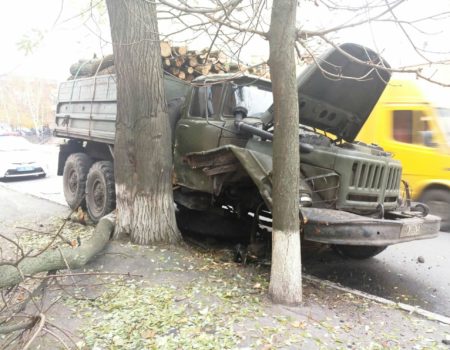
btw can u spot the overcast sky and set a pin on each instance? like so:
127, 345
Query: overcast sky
68, 37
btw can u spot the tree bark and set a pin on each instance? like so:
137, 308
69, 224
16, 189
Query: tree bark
142, 152
285, 278
58, 259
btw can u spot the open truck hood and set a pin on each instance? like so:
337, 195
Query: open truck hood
338, 92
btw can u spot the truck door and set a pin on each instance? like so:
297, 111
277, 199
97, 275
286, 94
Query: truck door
198, 130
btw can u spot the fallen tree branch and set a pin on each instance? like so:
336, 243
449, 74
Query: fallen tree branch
7, 329
54, 260
57, 337
35, 334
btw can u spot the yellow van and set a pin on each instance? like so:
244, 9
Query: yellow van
405, 123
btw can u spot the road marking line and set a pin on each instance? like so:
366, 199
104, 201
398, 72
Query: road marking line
411, 309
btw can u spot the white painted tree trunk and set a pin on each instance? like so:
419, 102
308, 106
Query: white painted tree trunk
285, 279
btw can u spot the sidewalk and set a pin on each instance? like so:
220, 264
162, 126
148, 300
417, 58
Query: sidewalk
191, 299
185, 298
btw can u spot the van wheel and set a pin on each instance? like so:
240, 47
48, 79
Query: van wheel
75, 173
438, 200
100, 190
359, 252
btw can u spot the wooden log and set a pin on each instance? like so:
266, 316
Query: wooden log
90, 67
177, 61
219, 56
203, 69
182, 75
166, 62
107, 71
179, 50
216, 67
192, 61
189, 77
233, 67
189, 70
166, 50
174, 70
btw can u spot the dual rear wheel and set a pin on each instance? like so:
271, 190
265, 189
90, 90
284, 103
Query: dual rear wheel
89, 185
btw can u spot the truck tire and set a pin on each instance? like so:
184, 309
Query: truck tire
359, 252
438, 200
75, 173
100, 190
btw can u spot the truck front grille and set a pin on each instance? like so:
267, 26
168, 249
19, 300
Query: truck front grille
373, 183
372, 176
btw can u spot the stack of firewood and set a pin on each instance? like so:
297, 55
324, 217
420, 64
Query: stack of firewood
176, 60
187, 64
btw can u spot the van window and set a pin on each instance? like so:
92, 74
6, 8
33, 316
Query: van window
206, 96
444, 119
412, 127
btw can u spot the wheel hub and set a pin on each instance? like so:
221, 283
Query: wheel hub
73, 181
98, 195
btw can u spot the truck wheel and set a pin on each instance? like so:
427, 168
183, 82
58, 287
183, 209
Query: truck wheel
100, 190
359, 252
74, 179
438, 200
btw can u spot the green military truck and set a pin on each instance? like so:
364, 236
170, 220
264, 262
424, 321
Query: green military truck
351, 193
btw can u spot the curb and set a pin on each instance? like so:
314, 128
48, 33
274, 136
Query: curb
405, 307
33, 195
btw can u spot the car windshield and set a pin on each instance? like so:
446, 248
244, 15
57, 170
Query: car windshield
13, 143
256, 99
444, 114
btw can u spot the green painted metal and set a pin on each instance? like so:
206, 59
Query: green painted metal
217, 164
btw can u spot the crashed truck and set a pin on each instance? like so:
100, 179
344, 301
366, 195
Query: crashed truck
351, 194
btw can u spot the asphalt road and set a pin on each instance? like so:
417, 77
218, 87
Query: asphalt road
396, 274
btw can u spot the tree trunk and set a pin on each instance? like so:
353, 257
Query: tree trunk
142, 152
285, 278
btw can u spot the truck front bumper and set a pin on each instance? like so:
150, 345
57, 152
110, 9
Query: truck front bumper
339, 227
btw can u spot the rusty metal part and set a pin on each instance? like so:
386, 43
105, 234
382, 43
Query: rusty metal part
339, 227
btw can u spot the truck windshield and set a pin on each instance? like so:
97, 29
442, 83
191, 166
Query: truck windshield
257, 99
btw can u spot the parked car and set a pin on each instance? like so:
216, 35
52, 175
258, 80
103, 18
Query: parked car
20, 158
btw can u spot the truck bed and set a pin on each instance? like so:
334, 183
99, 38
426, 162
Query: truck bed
86, 108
